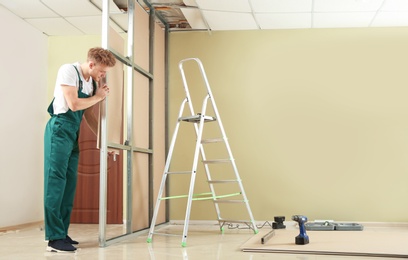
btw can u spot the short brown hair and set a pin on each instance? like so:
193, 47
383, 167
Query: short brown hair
101, 56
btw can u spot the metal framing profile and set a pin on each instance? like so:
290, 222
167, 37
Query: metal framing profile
128, 146
103, 145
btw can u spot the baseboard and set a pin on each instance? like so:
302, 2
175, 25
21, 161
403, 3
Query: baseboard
39, 224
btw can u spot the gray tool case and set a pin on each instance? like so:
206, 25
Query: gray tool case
332, 226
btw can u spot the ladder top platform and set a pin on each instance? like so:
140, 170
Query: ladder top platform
197, 118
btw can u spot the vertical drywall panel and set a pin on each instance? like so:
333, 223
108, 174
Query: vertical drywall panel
140, 111
115, 99
140, 162
141, 38
159, 131
140, 213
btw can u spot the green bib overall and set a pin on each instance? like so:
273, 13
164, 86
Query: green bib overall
61, 156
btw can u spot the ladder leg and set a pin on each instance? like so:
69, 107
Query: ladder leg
156, 209
192, 181
188, 210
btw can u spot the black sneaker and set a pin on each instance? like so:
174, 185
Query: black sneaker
60, 245
72, 242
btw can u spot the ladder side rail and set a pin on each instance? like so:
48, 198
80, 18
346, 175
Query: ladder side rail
174, 137
193, 175
185, 85
217, 115
166, 169
156, 208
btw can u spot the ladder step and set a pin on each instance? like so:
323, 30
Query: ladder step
218, 161
180, 172
230, 201
214, 140
202, 196
223, 181
196, 118
214, 198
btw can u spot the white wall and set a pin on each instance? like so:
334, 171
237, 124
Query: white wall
23, 104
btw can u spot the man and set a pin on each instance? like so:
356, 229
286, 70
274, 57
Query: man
75, 93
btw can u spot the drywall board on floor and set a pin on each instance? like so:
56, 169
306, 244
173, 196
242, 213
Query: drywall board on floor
372, 241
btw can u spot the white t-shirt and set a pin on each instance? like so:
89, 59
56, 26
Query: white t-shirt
67, 75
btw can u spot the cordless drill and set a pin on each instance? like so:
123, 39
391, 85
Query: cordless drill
302, 238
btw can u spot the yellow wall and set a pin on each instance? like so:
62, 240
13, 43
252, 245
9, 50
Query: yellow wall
317, 119
62, 49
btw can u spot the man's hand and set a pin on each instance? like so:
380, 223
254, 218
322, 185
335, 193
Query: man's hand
102, 92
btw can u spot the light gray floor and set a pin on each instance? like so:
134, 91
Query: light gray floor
204, 242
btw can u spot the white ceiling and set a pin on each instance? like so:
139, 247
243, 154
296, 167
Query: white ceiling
66, 17
296, 14
80, 17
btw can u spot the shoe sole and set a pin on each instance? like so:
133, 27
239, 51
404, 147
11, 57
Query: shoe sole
51, 249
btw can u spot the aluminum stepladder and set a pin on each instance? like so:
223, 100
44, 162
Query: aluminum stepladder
199, 120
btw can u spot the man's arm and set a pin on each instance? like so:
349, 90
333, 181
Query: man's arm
75, 103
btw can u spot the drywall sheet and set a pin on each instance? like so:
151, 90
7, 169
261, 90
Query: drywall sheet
114, 79
159, 128
140, 184
141, 38
375, 242
140, 111
141, 118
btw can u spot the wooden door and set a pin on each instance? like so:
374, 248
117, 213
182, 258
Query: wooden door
86, 203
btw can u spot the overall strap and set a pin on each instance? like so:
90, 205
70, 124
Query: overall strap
80, 82
79, 78
94, 87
